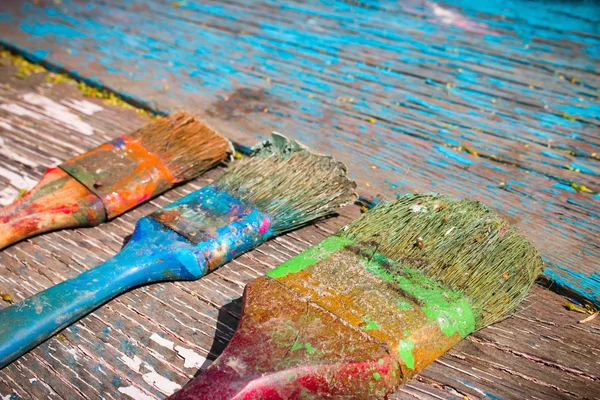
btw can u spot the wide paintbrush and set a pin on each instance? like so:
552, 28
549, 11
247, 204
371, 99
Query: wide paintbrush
283, 186
365, 310
114, 177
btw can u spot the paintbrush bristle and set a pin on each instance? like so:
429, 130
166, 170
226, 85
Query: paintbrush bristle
460, 244
186, 145
289, 183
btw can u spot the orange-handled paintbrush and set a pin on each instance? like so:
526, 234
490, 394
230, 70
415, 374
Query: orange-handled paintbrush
115, 177
362, 312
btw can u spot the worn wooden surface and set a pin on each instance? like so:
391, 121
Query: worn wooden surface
148, 341
493, 100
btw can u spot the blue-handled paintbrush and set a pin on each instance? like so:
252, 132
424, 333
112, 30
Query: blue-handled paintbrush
281, 187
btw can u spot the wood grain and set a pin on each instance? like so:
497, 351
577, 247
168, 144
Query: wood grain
144, 343
491, 100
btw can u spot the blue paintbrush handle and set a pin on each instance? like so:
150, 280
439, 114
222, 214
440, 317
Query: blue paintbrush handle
183, 241
151, 255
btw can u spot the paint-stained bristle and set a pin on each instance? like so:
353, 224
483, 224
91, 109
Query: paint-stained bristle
289, 183
185, 144
458, 243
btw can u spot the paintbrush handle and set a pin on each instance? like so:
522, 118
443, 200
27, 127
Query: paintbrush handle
150, 256
277, 353
58, 201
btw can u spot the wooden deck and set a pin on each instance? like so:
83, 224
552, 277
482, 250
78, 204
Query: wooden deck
451, 99
494, 101
152, 339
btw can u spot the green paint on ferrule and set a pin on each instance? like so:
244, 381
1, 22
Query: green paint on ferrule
309, 348
368, 324
450, 309
311, 256
306, 346
452, 320
403, 305
405, 348
297, 346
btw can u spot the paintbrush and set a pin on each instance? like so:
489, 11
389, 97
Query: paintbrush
115, 177
282, 187
365, 310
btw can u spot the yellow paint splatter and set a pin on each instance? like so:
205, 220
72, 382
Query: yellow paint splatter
21, 193
6, 297
581, 188
470, 150
573, 307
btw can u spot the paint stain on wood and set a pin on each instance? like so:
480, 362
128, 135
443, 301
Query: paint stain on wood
244, 101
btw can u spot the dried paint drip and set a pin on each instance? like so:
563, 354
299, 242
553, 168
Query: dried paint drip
115, 177
366, 309
189, 238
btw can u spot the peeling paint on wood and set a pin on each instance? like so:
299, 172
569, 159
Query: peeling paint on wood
481, 99
540, 353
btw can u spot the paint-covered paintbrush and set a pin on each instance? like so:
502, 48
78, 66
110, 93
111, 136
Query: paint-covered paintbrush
282, 187
365, 310
115, 177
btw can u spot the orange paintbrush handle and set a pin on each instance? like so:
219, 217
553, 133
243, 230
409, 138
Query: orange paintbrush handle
58, 201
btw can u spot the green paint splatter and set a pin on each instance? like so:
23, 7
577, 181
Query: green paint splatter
464, 246
306, 346
309, 348
403, 305
452, 320
449, 308
296, 346
406, 333
405, 348
369, 325
310, 257
377, 376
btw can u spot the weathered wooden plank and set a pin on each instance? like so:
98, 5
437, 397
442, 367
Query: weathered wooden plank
492, 101
152, 339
